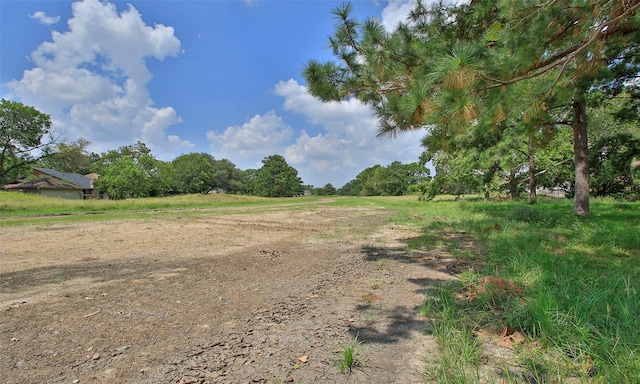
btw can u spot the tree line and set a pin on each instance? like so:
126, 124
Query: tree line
132, 171
27, 140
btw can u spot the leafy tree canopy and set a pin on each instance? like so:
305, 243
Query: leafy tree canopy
396, 179
25, 137
69, 157
193, 172
276, 178
227, 177
327, 190
132, 171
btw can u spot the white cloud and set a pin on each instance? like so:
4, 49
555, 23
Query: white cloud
299, 100
396, 12
345, 146
55, 90
348, 143
92, 78
44, 19
248, 144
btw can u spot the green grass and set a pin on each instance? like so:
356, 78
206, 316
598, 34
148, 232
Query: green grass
580, 279
30, 208
349, 359
459, 355
20, 204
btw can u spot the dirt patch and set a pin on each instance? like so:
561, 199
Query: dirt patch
239, 298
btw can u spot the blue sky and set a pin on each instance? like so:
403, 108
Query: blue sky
221, 77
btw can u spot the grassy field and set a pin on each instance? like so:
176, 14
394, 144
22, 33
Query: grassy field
19, 204
19, 208
570, 285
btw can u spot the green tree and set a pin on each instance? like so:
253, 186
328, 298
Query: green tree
25, 137
69, 157
457, 70
349, 189
611, 159
615, 140
368, 181
249, 177
194, 173
135, 152
227, 177
456, 174
555, 161
276, 178
132, 171
327, 190
396, 179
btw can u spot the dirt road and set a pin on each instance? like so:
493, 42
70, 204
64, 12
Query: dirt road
269, 297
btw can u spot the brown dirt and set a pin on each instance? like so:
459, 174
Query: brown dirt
243, 297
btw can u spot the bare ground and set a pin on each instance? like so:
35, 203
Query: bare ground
243, 297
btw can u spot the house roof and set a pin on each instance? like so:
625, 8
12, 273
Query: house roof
47, 183
75, 178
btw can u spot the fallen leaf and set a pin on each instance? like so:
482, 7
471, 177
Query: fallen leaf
506, 331
510, 341
303, 359
370, 297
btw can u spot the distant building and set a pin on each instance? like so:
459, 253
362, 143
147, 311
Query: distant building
52, 183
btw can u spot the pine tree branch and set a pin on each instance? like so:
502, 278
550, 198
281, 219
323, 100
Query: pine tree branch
564, 57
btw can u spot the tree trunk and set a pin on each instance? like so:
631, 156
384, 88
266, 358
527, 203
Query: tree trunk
581, 155
513, 184
533, 195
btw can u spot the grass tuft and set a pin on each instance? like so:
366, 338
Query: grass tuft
349, 359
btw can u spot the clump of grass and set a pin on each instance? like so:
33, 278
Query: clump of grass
349, 359
527, 214
459, 356
371, 319
460, 352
